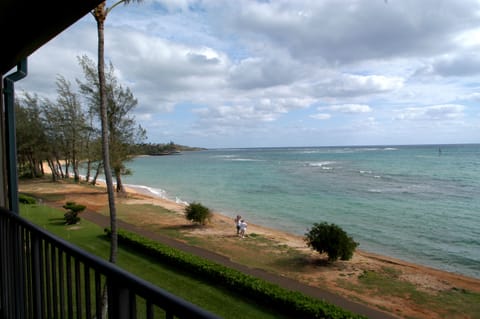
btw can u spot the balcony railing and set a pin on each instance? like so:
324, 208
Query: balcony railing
42, 276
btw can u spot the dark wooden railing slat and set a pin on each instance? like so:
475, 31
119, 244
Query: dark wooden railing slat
43, 276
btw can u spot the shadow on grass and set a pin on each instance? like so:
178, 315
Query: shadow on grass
296, 264
57, 221
183, 227
50, 197
321, 262
103, 237
302, 263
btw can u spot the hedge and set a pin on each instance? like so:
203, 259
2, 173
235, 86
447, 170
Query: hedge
293, 302
25, 199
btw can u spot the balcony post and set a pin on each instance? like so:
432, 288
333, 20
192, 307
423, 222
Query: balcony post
18, 250
118, 301
11, 144
36, 277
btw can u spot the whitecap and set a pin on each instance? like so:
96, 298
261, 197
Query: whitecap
245, 160
319, 164
365, 172
149, 190
181, 202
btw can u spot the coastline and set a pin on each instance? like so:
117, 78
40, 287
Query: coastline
406, 203
179, 206
295, 240
425, 279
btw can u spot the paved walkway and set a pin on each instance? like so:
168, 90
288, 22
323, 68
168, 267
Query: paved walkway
284, 282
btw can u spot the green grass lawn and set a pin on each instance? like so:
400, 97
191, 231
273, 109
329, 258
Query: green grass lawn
90, 237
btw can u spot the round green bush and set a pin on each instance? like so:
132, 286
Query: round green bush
197, 213
332, 240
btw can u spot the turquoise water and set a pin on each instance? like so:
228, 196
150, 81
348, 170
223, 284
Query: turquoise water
416, 203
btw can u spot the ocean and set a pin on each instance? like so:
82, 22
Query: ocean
417, 203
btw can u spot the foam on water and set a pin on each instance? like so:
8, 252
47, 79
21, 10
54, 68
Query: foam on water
149, 190
405, 202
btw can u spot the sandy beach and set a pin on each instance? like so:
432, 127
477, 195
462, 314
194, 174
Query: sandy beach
346, 278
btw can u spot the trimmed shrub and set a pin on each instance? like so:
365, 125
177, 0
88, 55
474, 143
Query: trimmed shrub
71, 217
25, 199
332, 240
293, 303
198, 213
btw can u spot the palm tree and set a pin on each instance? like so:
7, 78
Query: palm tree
100, 14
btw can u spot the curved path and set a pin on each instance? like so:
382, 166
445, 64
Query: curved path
284, 282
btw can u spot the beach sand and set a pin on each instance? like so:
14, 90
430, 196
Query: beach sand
341, 277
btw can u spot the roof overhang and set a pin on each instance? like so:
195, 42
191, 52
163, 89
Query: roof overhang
28, 24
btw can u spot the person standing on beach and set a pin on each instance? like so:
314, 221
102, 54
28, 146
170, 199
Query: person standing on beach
237, 223
243, 228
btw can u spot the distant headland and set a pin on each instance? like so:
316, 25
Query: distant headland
159, 149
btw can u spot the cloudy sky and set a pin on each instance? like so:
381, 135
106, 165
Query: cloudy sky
286, 73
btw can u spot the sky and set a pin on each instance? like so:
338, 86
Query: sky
228, 74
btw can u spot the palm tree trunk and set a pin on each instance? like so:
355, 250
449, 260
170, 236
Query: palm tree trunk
100, 16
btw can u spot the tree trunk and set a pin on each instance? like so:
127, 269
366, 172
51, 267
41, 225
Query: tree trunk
120, 187
75, 163
31, 165
97, 172
59, 168
67, 168
76, 173
36, 168
89, 168
51, 164
100, 14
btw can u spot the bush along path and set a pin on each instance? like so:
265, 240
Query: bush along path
332, 305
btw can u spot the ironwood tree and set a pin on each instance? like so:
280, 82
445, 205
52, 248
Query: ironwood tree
32, 140
68, 125
122, 127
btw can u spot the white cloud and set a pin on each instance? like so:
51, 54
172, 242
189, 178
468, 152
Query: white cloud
348, 85
214, 69
431, 113
347, 108
463, 64
471, 96
321, 116
250, 114
347, 31
262, 72
166, 72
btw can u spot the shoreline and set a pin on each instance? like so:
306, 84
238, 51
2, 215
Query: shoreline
145, 191
295, 239
159, 193
337, 277
179, 206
